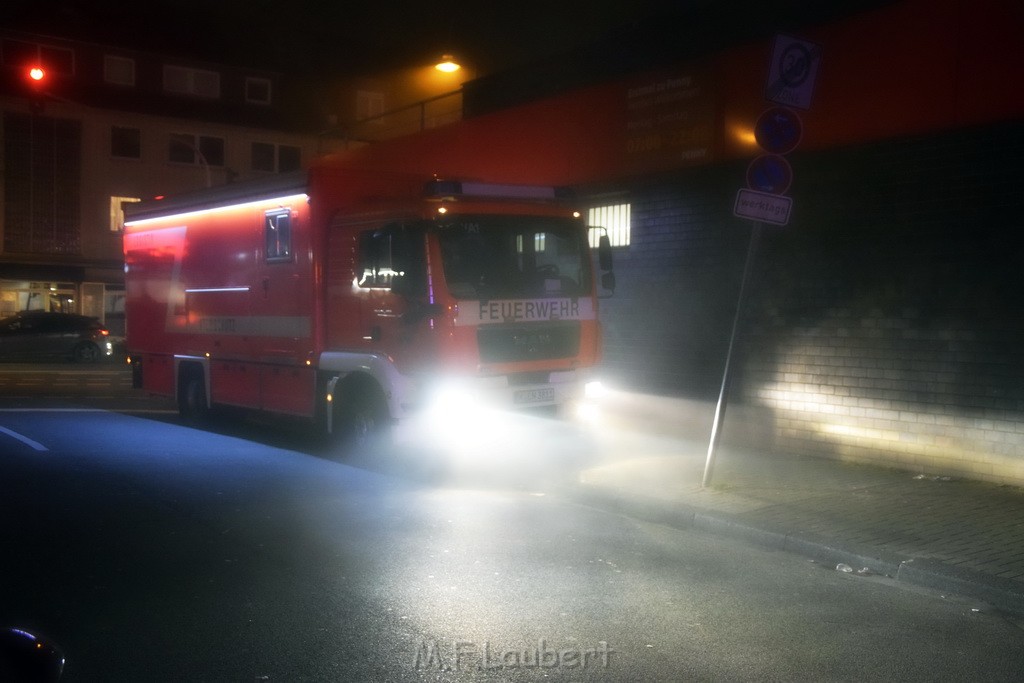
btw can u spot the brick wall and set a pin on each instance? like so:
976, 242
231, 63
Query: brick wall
885, 323
664, 325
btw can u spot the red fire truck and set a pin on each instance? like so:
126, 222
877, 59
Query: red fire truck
349, 298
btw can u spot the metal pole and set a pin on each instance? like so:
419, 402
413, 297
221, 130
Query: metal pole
716, 427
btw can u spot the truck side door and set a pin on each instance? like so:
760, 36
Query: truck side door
391, 273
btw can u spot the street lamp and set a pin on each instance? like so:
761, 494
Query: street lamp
447, 64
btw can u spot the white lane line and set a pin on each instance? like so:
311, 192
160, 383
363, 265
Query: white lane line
24, 439
53, 410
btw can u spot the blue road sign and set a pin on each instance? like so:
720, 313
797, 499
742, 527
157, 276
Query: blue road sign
778, 130
769, 173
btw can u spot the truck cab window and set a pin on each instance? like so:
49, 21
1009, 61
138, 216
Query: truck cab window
514, 257
392, 258
277, 230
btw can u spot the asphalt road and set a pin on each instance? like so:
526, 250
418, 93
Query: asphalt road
154, 552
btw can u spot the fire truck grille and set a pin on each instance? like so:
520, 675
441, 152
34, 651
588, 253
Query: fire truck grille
534, 341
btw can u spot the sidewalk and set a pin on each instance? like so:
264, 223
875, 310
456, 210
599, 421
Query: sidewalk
955, 535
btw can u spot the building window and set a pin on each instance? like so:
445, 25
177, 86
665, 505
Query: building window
18, 52
43, 200
275, 158
289, 158
185, 148
21, 53
257, 90
57, 59
118, 70
126, 143
614, 219
198, 82
117, 211
277, 229
212, 149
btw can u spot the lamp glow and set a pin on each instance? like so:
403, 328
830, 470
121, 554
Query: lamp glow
447, 64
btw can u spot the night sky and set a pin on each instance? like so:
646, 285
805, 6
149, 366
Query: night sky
338, 37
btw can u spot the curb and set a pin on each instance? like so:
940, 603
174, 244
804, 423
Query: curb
1003, 595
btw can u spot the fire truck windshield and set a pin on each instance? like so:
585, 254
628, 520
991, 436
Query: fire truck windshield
515, 257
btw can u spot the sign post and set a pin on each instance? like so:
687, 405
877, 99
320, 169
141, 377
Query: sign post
791, 75
716, 426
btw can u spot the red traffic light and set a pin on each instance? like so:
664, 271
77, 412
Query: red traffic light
37, 73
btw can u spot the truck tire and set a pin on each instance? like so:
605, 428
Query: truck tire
361, 418
192, 405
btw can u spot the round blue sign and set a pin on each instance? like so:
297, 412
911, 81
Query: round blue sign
778, 130
769, 173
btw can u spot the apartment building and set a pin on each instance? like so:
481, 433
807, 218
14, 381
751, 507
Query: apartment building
105, 125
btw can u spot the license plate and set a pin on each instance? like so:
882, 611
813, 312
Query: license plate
546, 394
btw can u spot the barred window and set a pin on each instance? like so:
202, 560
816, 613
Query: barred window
614, 219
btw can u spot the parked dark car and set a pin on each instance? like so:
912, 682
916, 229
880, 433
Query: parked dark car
41, 335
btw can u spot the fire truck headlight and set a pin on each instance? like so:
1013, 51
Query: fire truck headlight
587, 412
457, 418
594, 390
587, 409
451, 402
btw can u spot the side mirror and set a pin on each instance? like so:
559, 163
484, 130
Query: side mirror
604, 252
608, 281
604, 260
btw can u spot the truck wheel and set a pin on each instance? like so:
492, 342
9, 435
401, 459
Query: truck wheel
362, 418
192, 406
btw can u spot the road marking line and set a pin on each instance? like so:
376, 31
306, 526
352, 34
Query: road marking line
24, 439
114, 411
53, 410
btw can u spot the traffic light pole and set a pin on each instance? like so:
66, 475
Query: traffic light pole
723, 394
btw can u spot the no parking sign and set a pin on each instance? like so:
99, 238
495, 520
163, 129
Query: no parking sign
792, 72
